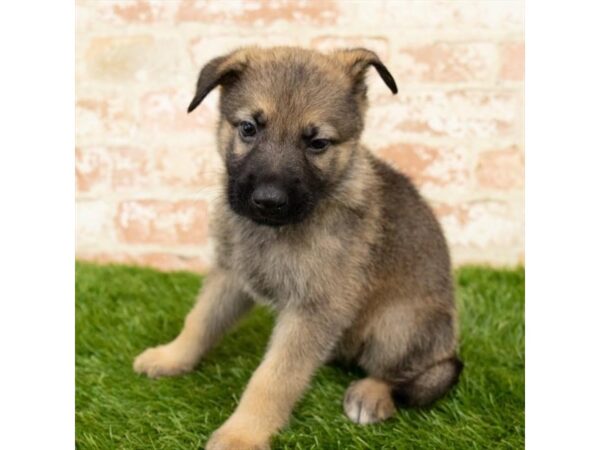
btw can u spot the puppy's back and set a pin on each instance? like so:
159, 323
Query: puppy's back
411, 247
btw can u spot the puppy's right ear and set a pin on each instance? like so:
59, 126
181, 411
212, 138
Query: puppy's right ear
219, 71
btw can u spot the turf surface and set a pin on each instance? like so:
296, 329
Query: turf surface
122, 310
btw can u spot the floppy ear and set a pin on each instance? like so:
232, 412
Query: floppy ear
358, 60
218, 71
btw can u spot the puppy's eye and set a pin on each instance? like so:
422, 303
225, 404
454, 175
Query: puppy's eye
319, 145
247, 129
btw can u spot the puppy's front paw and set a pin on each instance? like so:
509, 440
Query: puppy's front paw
163, 361
234, 435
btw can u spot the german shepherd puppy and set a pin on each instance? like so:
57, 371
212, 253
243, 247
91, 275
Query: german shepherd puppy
339, 244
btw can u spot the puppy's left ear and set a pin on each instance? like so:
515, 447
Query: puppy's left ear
219, 71
356, 61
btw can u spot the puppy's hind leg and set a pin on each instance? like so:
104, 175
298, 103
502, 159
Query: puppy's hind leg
410, 351
372, 400
220, 303
429, 385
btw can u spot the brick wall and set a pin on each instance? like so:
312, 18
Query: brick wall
146, 171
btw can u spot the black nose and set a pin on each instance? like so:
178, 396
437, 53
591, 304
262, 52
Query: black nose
269, 198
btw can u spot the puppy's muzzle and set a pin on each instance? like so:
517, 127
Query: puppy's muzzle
270, 200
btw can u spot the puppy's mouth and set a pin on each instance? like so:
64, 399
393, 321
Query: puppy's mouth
269, 221
275, 219
292, 215
268, 206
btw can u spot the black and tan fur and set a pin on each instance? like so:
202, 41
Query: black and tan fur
351, 258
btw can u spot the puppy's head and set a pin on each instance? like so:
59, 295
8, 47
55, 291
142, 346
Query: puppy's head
290, 123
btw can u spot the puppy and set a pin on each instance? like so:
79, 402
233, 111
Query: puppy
340, 245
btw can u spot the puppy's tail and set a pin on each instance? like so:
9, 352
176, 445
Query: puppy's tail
429, 385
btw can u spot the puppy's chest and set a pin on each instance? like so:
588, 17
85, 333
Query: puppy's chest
277, 271
273, 274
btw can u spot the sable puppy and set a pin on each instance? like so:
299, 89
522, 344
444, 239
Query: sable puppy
338, 243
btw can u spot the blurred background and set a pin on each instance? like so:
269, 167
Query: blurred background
146, 171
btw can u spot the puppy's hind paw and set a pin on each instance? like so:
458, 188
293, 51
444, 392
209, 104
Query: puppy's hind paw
162, 361
368, 401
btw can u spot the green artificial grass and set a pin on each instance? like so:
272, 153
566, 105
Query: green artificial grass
122, 310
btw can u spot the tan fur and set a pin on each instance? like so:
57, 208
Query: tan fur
221, 302
364, 278
369, 400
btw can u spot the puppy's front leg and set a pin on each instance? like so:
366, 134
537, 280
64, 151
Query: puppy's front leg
219, 304
300, 343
